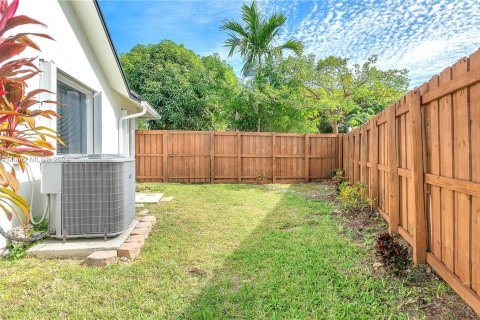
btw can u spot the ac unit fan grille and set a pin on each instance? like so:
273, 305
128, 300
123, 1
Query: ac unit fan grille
97, 197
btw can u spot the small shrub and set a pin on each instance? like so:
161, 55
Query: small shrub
261, 177
354, 197
337, 176
393, 254
343, 185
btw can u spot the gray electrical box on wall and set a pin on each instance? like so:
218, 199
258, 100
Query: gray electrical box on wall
51, 182
90, 195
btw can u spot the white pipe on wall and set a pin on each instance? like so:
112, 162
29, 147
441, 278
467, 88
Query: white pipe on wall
121, 149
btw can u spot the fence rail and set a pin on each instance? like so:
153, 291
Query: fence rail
234, 157
421, 161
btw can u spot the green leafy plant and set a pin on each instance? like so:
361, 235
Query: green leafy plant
354, 197
393, 254
20, 135
343, 185
15, 252
42, 226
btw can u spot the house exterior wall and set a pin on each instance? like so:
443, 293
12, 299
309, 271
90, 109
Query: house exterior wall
73, 55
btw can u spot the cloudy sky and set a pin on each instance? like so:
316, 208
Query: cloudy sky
424, 36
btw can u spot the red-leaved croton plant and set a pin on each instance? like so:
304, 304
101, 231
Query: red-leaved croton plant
20, 136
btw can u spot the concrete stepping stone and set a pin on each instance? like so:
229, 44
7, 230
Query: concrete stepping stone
148, 197
101, 258
166, 199
129, 250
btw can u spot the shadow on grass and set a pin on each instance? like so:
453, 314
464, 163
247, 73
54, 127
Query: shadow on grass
296, 264
218, 251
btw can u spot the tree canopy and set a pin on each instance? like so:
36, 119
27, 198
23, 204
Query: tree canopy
280, 93
189, 92
344, 95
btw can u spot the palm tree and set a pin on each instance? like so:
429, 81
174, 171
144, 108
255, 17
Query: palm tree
255, 40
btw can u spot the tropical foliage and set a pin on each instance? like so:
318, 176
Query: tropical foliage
20, 135
190, 93
278, 92
341, 95
254, 40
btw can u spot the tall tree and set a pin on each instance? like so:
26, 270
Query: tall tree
188, 92
255, 39
223, 89
271, 101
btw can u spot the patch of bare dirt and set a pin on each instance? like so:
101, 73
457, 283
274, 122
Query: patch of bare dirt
289, 227
196, 272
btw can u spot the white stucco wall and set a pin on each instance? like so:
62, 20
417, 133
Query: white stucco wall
72, 53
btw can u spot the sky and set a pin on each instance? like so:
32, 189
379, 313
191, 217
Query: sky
424, 36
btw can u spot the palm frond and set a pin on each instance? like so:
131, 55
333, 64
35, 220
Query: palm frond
251, 17
253, 39
233, 43
294, 45
232, 25
272, 26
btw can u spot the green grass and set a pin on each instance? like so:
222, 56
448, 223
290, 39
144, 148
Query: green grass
258, 252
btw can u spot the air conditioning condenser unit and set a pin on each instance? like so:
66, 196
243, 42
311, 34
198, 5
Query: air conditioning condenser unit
89, 195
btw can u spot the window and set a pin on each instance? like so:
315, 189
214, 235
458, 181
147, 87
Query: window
75, 125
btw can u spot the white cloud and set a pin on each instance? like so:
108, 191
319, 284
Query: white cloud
424, 36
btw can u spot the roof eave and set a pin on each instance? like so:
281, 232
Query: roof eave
121, 89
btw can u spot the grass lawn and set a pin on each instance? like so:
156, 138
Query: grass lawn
221, 251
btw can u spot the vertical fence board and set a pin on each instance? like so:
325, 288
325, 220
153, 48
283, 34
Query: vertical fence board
392, 144
446, 170
419, 218
434, 168
475, 162
461, 164
374, 162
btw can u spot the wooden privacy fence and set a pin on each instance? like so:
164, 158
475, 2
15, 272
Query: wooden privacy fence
234, 157
421, 161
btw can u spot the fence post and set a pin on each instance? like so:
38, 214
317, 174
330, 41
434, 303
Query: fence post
165, 155
340, 150
356, 156
212, 157
274, 160
393, 204
363, 155
239, 159
307, 159
351, 158
420, 224
374, 162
